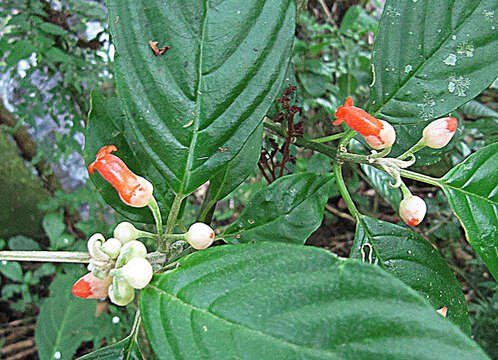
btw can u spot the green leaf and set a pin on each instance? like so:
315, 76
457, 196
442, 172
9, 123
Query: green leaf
288, 210
54, 227
211, 89
52, 29
126, 349
21, 242
412, 259
382, 181
471, 188
474, 109
282, 301
106, 127
61, 317
19, 50
430, 58
236, 170
12, 270
58, 56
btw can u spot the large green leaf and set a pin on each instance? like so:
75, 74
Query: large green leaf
429, 58
62, 316
472, 191
106, 127
413, 260
288, 210
211, 89
282, 301
234, 172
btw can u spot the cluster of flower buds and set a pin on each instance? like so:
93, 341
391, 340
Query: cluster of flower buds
117, 267
379, 134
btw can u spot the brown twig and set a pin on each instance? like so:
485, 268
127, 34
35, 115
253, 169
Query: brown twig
339, 213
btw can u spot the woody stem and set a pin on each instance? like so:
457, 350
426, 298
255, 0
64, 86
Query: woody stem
47, 256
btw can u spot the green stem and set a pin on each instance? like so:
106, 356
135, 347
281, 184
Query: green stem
406, 192
381, 154
418, 146
146, 234
135, 328
329, 138
420, 177
173, 236
164, 243
344, 191
154, 207
328, 150
48, 256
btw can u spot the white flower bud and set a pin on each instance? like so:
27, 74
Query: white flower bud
125, 232
385, 138
200, 236
137, 272
439, 132
112, 247
443, 311
412, 210
120, 292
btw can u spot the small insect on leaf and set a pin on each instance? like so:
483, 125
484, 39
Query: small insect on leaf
157, 51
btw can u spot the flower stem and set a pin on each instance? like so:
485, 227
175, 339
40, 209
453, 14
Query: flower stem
406, 192
47, 256
165, 242
344, 192
154, 207
329, 138
418, 146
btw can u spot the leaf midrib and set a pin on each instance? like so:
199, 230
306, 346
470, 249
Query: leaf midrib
245, 327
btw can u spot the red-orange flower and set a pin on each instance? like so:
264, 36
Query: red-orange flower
132, 189
91, 287
379, 134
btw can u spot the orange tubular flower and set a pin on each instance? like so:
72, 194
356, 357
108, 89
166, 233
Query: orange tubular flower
132, 189
90, 287
379, 134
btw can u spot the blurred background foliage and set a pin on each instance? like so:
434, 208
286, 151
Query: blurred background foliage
54, 53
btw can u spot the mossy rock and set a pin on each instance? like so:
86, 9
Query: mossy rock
21, 192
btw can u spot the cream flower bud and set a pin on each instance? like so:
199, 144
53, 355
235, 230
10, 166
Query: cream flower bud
439, 132
137, 272
91, 287
111, 247
412, 210
125, 232
443, 311
120, 292
199, 236
385, 137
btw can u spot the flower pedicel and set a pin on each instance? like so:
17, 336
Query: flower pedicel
132, 189
379, 134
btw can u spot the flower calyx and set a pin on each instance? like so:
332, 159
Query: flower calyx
379, 134
393, 166
133, 190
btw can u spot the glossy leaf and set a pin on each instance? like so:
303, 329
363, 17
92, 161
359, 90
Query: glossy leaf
126, 349
283, 301
430, 58
58, 328
210, 90
106, 127
236, 170
382, 181
474, 109
412, 259
288, 210
472, 191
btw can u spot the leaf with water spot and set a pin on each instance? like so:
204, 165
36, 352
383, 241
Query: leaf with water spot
430, 57
210, 90
412, 259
